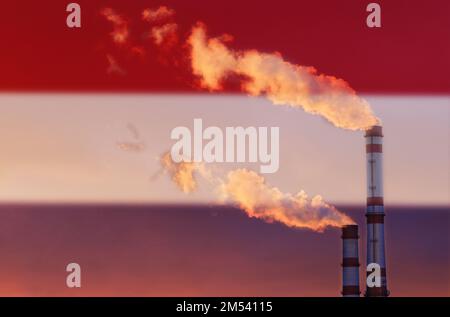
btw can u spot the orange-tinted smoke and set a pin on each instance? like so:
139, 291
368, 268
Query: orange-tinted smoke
165, 35
250, 192
283, 83
184, 174
164, 29
120, 33
157, 15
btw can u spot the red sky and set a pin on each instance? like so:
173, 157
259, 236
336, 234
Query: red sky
408, 54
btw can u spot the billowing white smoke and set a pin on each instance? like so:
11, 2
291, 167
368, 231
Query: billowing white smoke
250, 192
282, 82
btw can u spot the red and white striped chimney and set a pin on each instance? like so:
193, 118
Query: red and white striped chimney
375, 207
350, 261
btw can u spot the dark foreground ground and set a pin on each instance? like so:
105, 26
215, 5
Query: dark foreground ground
206, 251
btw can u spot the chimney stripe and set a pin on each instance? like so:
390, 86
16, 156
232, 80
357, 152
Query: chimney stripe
350, 261
374, 148
375, 201
375, 207
375, 218
374, 131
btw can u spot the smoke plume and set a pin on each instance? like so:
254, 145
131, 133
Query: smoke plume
283, 83
157, 15
120, 31
250, 192
165, 34
184, 174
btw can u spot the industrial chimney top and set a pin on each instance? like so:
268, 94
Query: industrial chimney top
350, 232
375, 130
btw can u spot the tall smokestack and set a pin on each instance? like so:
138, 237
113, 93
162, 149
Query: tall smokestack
350, 261
375, 207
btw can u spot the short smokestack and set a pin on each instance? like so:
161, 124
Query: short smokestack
350, 261
375, 208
